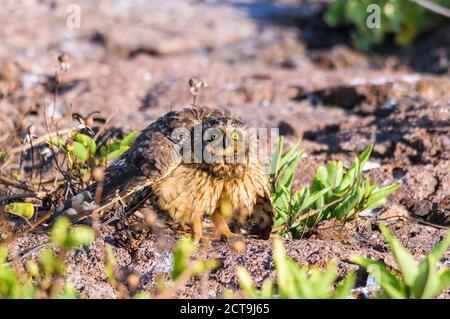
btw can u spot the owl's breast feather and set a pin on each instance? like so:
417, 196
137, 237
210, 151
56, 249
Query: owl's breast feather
188, 193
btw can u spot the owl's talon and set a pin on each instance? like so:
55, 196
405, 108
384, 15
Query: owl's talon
221, 225
231, 236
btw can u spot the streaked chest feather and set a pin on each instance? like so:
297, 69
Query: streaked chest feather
188, 193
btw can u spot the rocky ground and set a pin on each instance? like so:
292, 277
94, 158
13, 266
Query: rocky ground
272, 62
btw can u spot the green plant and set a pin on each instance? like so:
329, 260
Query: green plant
66, 237
181, 255
11, 284
113, 150
183, 270
403, 18
41, 279
418, 281
82, 152
335, 193
44, 278
110, 263
24, 210
294, 281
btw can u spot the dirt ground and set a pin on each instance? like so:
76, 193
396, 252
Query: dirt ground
276, 64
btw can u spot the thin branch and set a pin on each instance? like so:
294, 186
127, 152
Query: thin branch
13, 237
434, 7
21, 195
310, 213
30, 137
420, 221
56, 158
10, 182
179, 282
102, 129
38, 140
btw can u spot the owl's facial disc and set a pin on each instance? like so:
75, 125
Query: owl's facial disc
225, 144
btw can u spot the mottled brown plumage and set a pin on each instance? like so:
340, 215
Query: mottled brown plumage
188, 191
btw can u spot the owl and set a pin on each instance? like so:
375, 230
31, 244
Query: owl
191, 164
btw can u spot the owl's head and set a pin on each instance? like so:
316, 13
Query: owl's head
220, 145
225, 140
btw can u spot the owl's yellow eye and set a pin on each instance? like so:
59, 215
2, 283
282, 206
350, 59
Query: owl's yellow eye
235, 136
213, 136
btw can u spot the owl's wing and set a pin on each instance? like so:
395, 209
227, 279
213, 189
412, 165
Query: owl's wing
261, 221
152, 156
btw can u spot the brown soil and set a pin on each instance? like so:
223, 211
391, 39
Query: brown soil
272, 62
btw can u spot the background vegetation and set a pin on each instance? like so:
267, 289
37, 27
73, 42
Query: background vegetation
405, 20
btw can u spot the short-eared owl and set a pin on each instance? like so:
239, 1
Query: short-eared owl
182, 185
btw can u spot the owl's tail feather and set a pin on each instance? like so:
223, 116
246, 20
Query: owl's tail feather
259, 223
126, 187
75, 209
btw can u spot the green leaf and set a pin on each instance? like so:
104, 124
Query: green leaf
444, 280
344, 208
118, 152
142, 295
127, 140
405, 261
50, 263
429, 282
276, 157
103, 151
323, 280
322, 176
300, 287
80, 235
440, 249
355, 169
203, 266
349, 178
287, 177
368, 187
335, 172
335, 14
110, 263
267, 289
282, 268
59, 231
62, 236
33, 269
290, 155
314, 197
379, 203
390, 284
80, 152
69, 292
246, 282
28, 291
181, 253
365, 155
56, 141
24, 210
382, 193
86, 141
431, 288
344, 290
